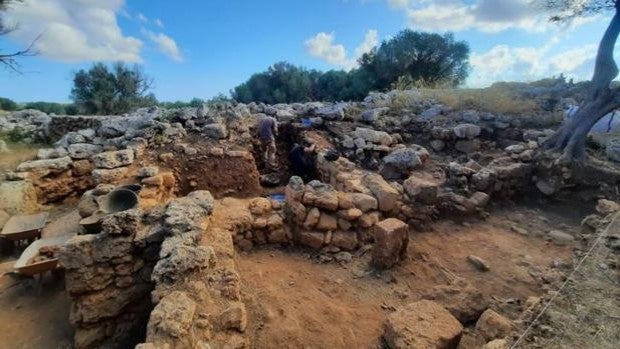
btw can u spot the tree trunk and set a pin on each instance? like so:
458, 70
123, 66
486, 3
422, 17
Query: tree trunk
602, 100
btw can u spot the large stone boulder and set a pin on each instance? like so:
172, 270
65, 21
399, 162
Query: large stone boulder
372, 136
113, 159
423, 324
109, 175
460, 298
321, 195
492, 325
84, 150
172, 317
364, 202
215, 131
112, 127
182, 260
386, 195
391, 241
331, 113
52, 153
373, 114
421, 189
467, 131
399, 163
55, 165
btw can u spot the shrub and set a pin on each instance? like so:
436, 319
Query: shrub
7, 104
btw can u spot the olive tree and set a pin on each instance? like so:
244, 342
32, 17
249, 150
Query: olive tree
602, 97
111, 90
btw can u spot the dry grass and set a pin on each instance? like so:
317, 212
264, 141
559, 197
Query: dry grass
492, 99
586, 314
18, 153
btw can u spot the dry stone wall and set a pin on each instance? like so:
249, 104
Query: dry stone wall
108, 277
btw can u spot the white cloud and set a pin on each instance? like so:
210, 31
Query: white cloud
505, 63
165, 44
399, 3
74, 30
484, 15
159, 23
572, 59
142, 18
322, 46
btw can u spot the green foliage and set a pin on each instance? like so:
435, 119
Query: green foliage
114, 90
7, 104
432, 59
15, 135
281, 83
47, 107
411, 59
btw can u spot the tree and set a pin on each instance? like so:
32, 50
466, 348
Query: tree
7, 104
426, 57
281, 83
111, 91
9, 60
602, 98
47, 107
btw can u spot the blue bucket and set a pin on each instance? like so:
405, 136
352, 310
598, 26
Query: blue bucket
306, 122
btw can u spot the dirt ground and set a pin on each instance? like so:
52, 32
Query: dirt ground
296, 302
35, 314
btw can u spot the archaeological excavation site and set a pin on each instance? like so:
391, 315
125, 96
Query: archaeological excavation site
414, 225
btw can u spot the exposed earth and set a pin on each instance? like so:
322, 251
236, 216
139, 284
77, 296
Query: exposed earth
421, 226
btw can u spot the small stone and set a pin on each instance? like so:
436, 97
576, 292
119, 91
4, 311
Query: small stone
155, 181
492, 325
606, 207
560, 237
148, 171
478, 263
234, 318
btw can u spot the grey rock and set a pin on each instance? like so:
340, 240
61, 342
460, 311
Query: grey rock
467, 131
560, 237
52, 153
60, 164
401, 162
83, 150
372, 136
331, 113
215, 131
113, 159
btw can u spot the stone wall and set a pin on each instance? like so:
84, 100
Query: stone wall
108, 277
60, 125
197, 288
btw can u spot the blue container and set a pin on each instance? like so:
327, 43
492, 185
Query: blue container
306, 122
277, 197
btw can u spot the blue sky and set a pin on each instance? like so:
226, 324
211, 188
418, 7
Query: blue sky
198, 48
